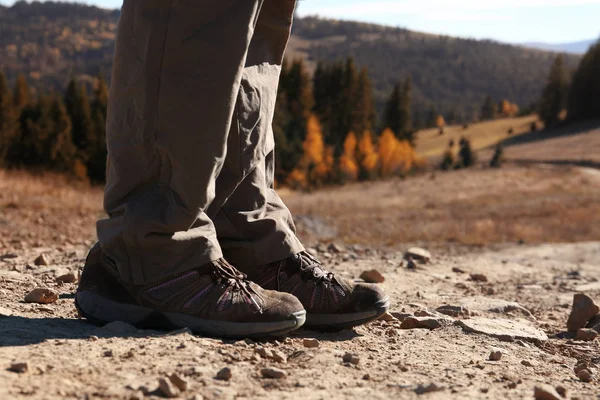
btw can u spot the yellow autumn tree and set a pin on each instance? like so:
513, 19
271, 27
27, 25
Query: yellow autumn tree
395, 156
368, 159
440, 122
316, 163
348, 163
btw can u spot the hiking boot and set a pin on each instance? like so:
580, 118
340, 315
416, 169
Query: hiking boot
331, 302
213, 300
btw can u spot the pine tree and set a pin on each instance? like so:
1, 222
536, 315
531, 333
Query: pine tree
22, 93
79, 110
8, 119
585, 87
96, 165
489, 109
465, 154
363, 112
554, 97
60, 143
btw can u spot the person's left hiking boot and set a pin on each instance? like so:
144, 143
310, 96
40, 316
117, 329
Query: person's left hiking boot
331, 302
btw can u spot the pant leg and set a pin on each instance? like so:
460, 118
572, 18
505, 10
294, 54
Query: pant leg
176, 76
253, 224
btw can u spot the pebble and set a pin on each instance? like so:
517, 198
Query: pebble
41, 296
279, 357
432, 387
311, 343
586, 334
582, 311
458, 270
495, 355
335, 248
387, 317
42, 259
19, 367
452, 311
224, 374
479, 278
526, 363
263, 352
562, 391
579, 367
351, 358
585, 375
420, 323
273, 373
167, 388
178, 381
545, 392
372, 276
67, 278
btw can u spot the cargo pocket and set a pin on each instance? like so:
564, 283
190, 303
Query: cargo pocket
251, 136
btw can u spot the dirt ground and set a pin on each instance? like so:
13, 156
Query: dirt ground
70, 359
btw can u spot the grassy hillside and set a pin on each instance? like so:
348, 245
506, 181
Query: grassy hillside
49, 41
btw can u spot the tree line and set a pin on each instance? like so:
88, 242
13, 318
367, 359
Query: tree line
62, 132
572, 96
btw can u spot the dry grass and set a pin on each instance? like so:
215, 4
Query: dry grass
472, 207
430, 144
20, 189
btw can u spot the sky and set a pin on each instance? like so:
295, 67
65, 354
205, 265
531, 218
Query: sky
513, 21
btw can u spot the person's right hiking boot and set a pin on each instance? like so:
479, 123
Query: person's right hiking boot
213, 300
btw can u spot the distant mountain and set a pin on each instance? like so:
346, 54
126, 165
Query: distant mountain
50, 41
573, 47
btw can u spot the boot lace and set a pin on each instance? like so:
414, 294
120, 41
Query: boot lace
311, 268
232, 277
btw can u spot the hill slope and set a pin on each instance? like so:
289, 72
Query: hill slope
49, 41
574, 47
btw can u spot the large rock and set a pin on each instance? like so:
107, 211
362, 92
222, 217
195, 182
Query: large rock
480, 303
584, 309
503, 329
424, 323
41, 296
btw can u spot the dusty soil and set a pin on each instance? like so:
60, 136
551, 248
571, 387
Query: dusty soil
70, 359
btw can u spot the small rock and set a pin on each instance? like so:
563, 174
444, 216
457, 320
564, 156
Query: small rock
421, 323
19, 367
527, 363
279, 357
585, 375
418, 254
178, 381
372, 276
263, 352
453, 311
586, 335
583, 310
579, 367
41, 296
366, 377
562, 391
458, 270
432, 387
167, 388
42, 259
137, 395
387, 317
479, 278
545, 392
351, 358
224, 374
67, 278
400, 316
273, 373
335, 248
311, 343
495, 355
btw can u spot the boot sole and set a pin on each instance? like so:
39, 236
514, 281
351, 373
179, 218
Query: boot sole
336, 322
100, 311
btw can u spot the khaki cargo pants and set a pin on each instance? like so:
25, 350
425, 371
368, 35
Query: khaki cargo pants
190, 142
